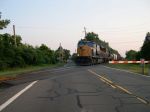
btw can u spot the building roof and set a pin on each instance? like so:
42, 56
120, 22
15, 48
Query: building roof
60, 47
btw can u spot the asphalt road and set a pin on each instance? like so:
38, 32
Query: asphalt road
77, 89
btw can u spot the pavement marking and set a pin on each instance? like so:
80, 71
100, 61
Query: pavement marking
142, 100
123, 89
107, 83
126, 71
9, 101
116, 86
105, 80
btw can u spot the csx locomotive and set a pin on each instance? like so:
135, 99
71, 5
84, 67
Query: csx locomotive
89, 52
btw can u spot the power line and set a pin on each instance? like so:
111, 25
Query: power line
126, 26
127, 42
101, 30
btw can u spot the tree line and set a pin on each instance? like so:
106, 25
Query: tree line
14, 53
144, 51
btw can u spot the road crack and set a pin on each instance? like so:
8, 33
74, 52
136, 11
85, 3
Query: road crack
79, 102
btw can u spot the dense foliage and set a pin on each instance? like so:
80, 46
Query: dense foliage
131, 55
145, 50
17, 54
23, 54
143, 53
3, 23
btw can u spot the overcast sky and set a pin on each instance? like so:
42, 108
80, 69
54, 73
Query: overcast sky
122, 23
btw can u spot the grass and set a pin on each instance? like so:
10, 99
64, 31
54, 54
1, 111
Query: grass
13, 72
131, 67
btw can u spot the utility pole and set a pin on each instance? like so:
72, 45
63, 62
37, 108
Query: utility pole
85, 31
14, 32
0, 15
60, 53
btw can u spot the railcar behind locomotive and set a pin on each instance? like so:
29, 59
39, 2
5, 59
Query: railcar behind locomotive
89, 52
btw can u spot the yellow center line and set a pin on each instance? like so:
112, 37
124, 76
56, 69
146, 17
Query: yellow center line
113, 85
142, 100
123, 89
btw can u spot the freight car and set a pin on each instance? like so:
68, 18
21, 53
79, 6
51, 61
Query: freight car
89, 53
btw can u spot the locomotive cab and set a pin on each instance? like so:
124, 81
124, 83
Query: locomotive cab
86, 48
85, 51
89, 52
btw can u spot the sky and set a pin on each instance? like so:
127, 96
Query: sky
122, 23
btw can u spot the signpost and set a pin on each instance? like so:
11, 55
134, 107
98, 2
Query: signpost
142, 65
149, 72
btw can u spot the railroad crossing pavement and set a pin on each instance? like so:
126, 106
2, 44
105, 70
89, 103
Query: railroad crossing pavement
78, 89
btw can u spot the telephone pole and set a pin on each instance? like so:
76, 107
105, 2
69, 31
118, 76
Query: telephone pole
14, 33
60, 53
0, 15
85, 31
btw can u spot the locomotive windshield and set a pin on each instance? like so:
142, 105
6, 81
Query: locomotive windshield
88, 43
81, 43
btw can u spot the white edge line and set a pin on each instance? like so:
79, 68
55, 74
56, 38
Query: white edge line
126, 71
9, 101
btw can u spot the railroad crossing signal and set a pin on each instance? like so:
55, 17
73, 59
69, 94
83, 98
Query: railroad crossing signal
142, 61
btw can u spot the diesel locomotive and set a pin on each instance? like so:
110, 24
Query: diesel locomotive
89, 53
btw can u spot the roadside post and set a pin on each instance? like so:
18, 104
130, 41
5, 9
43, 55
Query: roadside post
149, 71
142, 65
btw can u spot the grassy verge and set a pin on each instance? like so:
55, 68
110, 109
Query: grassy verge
13, 72
131, 67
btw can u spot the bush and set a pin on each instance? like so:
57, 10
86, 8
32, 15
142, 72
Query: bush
3, 65
24, 54
19, 61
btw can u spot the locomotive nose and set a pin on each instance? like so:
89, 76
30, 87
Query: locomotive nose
81, 47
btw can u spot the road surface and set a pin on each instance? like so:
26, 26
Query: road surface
77, 89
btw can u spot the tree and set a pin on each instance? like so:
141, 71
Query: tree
48, 54
66, 54
74, 56
43, 47
18, 40
3, 23
138, 56
91, 36
145, 49
17, 54
131, 55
